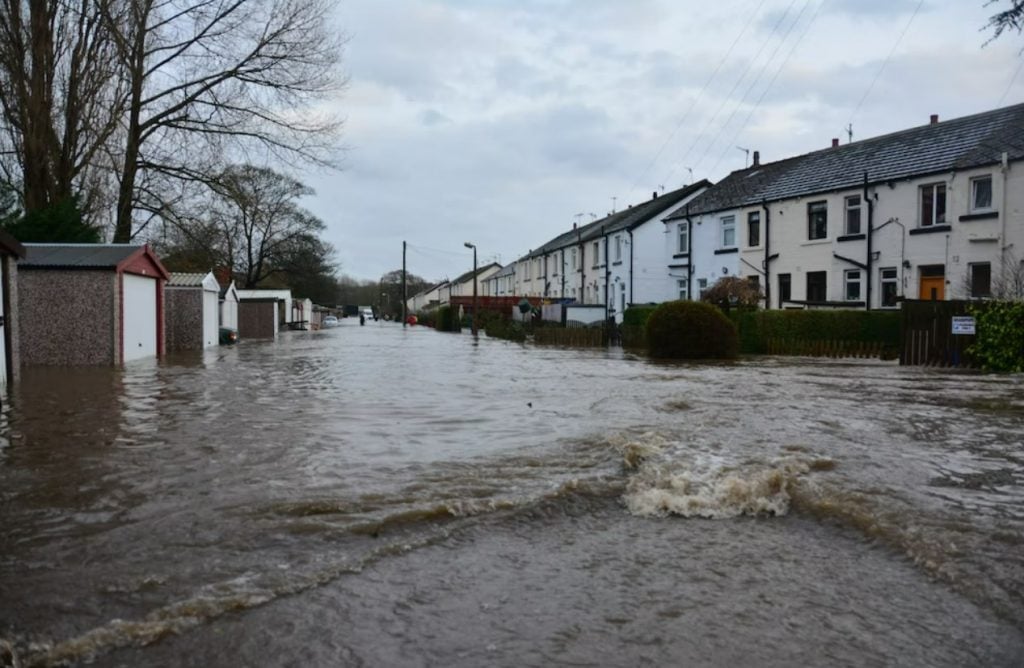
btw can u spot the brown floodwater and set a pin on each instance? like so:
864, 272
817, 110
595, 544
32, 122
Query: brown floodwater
388, 496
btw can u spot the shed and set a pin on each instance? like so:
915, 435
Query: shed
10, 252
89, 304
229, 306
193, 311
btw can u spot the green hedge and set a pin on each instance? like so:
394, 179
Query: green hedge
758, 328
691, 330
999, 342
503, 328
634, 324
447, 320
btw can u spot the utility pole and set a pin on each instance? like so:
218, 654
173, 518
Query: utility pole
404, 297
473, 246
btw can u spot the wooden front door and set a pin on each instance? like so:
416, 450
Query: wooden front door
932, 287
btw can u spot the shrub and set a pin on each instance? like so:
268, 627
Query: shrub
502, 328
447, 320
634, 323
999, 342
730, 291
691, 330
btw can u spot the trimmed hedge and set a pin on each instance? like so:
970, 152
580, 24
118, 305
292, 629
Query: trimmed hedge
634, 325
504, 328
691, 330
447, 321
759, 328
999, 342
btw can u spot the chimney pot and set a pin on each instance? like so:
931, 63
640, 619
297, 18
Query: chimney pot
934, 119
654, 195
757, 158
835, 142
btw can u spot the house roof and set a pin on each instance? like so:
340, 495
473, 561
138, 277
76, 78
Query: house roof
88, 256
628, 218
957, 144
469, 274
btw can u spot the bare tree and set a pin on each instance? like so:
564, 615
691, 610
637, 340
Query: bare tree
216, 80
1006, 19
60, 100
262, 224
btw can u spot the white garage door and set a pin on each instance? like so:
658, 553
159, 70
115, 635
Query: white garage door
211, 315
139, 315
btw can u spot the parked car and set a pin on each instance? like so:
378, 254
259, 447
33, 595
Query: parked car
329, 321
228, 336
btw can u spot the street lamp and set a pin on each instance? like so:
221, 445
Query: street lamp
473, 246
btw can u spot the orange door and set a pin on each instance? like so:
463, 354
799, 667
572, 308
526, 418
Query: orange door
932, 287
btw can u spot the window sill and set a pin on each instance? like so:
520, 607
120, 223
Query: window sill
726, 251
931, 229
616, 263
679, 255
981, 215
852, 237
816, 242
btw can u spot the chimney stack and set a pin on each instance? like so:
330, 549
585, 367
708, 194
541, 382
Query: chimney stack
757, 159
934, 119
835, 142
654, 195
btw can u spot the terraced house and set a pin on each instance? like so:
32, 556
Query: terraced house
932, 212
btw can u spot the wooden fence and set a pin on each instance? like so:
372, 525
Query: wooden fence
593, 337
821, 348
927, 334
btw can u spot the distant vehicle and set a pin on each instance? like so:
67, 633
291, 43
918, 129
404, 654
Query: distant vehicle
228, 336
329, 321
366, 312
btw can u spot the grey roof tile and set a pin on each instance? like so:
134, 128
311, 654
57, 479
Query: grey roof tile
84, 256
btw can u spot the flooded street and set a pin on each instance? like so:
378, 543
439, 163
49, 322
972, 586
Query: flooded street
383, 496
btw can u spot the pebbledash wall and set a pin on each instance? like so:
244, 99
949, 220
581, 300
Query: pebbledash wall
185, 324
77, 325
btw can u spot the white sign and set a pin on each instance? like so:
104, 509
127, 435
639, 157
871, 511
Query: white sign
963, 324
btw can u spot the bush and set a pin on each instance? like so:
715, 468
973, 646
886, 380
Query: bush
447, 320
503, 328
757, 328
730, 291
999, 342
634, 324
691, 330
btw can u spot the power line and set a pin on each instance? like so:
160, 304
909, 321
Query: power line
695, 100
886, 61
750, 88
725, 100
1010, 85
771, 83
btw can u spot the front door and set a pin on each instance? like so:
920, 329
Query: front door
932, 287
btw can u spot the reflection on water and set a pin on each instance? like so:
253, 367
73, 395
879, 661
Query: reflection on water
331, 480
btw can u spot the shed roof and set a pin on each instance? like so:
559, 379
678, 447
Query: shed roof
11, 245
181, 279
88, 256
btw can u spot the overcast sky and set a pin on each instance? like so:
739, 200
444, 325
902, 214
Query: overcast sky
498, 122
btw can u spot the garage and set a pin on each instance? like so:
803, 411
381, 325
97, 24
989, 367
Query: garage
192, 311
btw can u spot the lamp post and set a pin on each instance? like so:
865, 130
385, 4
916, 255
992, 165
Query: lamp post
473, 246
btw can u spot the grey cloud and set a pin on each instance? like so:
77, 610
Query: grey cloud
431, 117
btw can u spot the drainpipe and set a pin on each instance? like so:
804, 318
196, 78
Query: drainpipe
767, 256
689, 257
583, 276
871, 218
630, 266
607, 272
1004, 213
563, 273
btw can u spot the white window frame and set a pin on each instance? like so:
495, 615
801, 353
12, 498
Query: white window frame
573, 254
684, 288
683, 237
752, 217
618, 248
597, 254
935, 201
727, 228
894, 279
974, 193
847, 209
812, 208
852, 277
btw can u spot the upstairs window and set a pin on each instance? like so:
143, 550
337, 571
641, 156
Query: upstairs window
981, 193
852, 214
933, 204
817, 220
572, 254
754, 228
618, 248
729, 232
683, 237
597, 254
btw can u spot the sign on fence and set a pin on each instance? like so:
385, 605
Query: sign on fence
963, 324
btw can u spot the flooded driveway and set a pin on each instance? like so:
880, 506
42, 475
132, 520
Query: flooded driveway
386, 496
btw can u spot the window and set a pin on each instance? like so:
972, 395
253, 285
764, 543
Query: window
728, 232
981, 193
817, 220
702, 286
852, 283
618, 248
817, 286
889, 286
755, 282
981, 280
622, 297
573, 255
754, 228
597, 254
785, 288
933, 205
683, 234
684, 288
852, 214
537, 272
